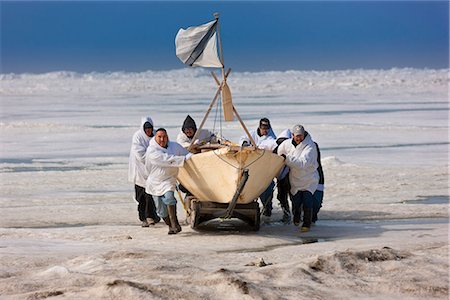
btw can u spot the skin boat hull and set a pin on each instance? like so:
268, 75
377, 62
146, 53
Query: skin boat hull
214, 175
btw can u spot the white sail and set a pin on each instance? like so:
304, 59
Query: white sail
197, 46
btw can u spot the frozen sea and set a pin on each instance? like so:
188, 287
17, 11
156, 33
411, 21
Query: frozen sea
64, 196
397, 116
66, 122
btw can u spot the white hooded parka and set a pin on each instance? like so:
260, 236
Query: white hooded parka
137, 173
204, 136
266, 142
302, 161
162, 166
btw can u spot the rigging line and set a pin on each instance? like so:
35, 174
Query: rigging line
238, 168
263, 152
218, 156
220, 118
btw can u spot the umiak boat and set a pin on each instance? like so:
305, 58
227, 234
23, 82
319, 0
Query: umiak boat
225, 179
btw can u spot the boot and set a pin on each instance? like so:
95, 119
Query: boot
307, 216
315, 210
150, 221
286, 212
267, 212
174, 227
156, 218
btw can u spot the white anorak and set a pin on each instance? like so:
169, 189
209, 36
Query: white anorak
302, 162
266, 142
162, 166
285, 134
204, 136
137, 172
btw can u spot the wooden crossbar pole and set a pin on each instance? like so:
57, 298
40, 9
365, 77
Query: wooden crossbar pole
243, 126
234, 109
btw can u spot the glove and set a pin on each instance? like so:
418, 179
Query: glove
188, 156
245, 144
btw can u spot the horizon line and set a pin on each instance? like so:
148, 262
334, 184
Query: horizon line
208, 70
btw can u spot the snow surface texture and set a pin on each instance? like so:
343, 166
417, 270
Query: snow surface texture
69, 227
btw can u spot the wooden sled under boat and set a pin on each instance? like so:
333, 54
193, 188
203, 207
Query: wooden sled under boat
227, 181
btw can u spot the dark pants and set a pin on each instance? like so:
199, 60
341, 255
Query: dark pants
146, 206
266, 199
317, 204
283, 187
305, 199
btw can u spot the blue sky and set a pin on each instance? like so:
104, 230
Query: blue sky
137, 36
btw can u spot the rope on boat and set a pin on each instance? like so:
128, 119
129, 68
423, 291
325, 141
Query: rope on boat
239, 168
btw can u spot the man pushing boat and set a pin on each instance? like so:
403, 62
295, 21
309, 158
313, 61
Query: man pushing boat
265, 139
300, 155
162, 160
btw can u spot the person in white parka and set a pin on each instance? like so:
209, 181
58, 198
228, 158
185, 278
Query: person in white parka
162, 160
283, 185
300, 155
184, 138
137, 173
188, 130
264, 138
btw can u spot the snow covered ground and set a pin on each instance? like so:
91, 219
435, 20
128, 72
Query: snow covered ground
69, 227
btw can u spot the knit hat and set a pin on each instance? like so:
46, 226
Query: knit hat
147, 125
189, 123
264, 123
298, 129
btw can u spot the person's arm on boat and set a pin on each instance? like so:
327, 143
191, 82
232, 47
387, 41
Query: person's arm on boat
183, 140
283, 149
162, 159
205, 136
212, 138
269, 143
245, 141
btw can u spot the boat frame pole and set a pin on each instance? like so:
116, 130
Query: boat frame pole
235, 111
204, 119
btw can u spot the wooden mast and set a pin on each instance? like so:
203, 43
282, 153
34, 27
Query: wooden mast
216, 15
228, 108
227, 101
